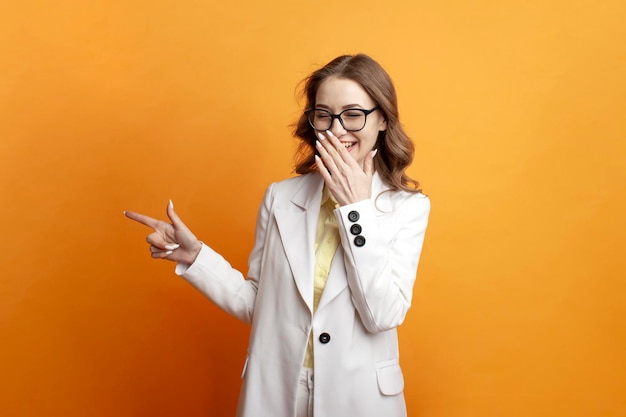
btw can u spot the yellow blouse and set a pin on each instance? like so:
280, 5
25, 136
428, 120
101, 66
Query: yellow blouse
326, 242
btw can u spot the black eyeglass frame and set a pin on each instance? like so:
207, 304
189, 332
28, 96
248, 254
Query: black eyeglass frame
338, 116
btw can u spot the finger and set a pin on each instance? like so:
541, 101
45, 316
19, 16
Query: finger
157, 252
329, 144
143, 219
340, 151
160, 241
166, 248
176, 221
329, 161
368, 165
161, 254
322, 169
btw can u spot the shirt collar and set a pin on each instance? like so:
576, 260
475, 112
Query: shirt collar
326, 195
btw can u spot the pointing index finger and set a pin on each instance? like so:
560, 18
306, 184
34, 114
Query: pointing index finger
142, 218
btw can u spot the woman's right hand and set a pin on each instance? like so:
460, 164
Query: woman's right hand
172, 241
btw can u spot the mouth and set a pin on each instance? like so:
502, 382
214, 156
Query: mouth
348, 145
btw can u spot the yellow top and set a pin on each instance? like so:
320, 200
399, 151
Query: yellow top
326, 242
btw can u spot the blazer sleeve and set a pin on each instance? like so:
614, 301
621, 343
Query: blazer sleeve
381, 266
214, 277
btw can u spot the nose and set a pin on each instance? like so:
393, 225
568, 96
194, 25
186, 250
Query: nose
337, 128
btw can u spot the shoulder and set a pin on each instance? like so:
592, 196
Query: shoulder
414, 199
389, 200
395, 201
289, 185
302, 189
292, 183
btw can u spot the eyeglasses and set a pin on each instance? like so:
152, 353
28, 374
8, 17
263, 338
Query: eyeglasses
352, 120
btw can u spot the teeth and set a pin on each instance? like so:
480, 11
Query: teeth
349, 145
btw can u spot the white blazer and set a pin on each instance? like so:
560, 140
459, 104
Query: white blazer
367, 295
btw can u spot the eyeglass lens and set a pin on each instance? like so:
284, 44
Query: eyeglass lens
351, 119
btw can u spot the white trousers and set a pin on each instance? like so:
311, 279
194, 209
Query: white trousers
304, 406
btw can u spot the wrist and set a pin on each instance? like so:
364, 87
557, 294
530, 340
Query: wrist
194, 252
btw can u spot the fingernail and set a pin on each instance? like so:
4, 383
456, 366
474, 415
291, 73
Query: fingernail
124, 212
329, 133
171, 204
374, 153
172, 247
317, 143
317, 158
320, 136
169, 252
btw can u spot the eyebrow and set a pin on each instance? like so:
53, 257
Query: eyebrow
347, 106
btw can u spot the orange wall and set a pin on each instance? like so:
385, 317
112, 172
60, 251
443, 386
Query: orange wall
518, 114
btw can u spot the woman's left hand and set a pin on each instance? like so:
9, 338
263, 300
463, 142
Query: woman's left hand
345, 178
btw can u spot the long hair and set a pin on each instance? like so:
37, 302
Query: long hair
395, 148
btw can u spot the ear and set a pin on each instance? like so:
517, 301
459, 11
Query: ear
382, 126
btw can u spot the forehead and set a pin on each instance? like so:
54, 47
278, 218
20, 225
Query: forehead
338, 92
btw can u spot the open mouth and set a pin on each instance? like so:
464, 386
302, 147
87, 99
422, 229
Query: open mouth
348, 145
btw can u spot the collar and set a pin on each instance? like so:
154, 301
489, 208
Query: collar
326, 196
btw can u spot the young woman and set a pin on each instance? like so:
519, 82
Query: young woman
334, 260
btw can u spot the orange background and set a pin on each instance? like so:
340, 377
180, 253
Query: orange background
517, 109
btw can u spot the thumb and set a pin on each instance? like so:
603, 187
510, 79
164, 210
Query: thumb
368, 164
176, 221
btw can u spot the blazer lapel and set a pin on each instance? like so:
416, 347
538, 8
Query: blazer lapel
297, 223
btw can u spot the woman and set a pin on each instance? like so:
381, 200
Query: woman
334, 260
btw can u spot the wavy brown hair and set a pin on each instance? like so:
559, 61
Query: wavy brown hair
395, 148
